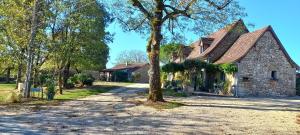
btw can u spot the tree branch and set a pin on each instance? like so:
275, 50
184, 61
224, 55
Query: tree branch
138, 4
178, 11
219, 7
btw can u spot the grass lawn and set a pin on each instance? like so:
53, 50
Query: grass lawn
71, 94
5, 89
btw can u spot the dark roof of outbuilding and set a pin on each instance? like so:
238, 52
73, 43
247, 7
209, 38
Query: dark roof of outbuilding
126, 66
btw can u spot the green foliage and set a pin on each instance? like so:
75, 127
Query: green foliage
228, 68
191, 66
173, 93
136, 77
82, 79
172, 68
298, 86
163, 77
50, 84
212, 68
79, 93
226, 86
13, 97
194, 65
167, 50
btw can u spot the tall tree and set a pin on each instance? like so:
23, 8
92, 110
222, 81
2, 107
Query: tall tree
132, 56
77, 37
30, 51
159, 16
14, 27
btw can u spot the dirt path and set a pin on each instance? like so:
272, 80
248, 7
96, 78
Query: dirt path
112, 113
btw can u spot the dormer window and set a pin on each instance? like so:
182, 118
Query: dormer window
201, 49
205, 43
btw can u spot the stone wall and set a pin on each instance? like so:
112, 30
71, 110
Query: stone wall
143, 73
255, 69
227, 41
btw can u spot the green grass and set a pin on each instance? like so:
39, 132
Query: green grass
5, 89
72, 94
79, 93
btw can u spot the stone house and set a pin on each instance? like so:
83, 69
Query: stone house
137, 72
264, 66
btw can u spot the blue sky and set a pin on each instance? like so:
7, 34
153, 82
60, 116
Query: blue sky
283, 16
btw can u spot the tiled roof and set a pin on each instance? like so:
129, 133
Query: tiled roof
241, 46
245, 42
186, 52
216, 38
124, 66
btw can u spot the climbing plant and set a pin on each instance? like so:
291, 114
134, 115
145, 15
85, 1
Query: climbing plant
228, 68
172, 68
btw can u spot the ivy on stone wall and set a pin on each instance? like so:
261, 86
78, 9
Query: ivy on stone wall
198, 65
228, 68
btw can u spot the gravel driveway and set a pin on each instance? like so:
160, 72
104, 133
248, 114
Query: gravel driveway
113, 113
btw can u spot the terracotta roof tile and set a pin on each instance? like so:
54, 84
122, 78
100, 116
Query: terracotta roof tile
216, 36
241, 46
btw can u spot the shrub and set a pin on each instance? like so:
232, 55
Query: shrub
50, 84
81, 79
226, 89
13, 97
136, 77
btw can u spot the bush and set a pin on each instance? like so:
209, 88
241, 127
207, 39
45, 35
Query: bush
136, 77
298, 86
50, 84
81, 79
13, 97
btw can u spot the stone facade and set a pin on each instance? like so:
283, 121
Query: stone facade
254, 77
142, 73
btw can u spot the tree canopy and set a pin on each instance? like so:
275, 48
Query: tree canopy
69, 34
131, 57
160, 18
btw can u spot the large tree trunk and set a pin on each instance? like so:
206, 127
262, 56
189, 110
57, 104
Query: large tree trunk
8, 75
60, 82
30, 47
155, 92
66, 74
